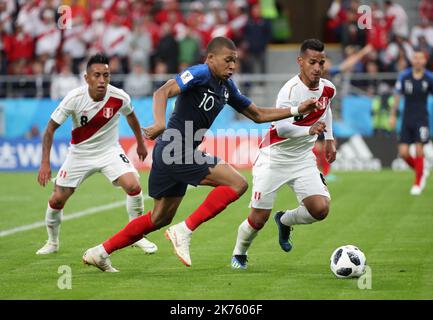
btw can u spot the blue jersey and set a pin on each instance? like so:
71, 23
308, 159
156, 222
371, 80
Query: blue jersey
415, 92
201, 99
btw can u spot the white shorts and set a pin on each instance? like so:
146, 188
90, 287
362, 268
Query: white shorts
304, 179
77, 167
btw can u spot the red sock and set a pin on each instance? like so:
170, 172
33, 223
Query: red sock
216, 201
132, 232
419, 168
410, 161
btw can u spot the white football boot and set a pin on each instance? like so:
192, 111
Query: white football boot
146, 245
180, 237
49, 247
96, 257
415, 190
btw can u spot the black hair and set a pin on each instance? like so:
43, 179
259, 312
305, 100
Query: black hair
312, 44
220, 42
97, 58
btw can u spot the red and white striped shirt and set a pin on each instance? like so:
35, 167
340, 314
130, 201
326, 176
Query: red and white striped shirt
288, 140
94, 123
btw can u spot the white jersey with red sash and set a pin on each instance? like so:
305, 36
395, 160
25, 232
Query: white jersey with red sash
297, 147
94, 123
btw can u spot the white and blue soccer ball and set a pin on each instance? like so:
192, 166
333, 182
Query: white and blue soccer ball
348, 262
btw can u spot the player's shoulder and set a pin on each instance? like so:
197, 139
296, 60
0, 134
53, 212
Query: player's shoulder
197, 70
405, 73
327, 83
118, 93
291, 83
75, 94
428, 74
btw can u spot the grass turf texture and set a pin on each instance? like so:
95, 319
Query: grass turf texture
371, 210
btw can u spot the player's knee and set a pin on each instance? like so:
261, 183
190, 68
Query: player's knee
57, 202
241, 186
258, 221
133, 189
320, 212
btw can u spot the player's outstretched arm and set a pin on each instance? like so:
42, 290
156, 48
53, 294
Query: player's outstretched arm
44, 174
260, 114
160, 97
135, 127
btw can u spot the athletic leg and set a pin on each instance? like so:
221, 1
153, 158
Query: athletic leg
53, 218
135, 206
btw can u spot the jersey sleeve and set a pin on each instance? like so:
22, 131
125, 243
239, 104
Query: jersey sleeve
236, 99
430, 81
63, 110
192, 76
127, 106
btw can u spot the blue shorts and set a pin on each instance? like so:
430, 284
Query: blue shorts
169, 179
414, 132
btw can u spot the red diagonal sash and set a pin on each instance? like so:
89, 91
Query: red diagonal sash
83, 133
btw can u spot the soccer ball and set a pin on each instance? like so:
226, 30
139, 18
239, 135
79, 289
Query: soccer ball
348, 262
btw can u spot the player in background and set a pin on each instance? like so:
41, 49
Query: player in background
286, 158
202, 91
415, 84
95, 110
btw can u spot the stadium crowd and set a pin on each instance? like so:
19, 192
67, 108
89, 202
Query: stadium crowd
140, 38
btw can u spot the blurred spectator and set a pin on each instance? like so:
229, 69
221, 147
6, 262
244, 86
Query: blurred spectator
138, 83
169, 11
116, 72
5, 17
379, 32
40, 84
422, 29
48, 38
189, 49
238, 17
95, 32
257, 35
18, 45
140, 45
397, 55
350, 33
28, 17
167, 50
74, 43
63, 83
400, 24
120, 11
116, 42
215, 15
425, 10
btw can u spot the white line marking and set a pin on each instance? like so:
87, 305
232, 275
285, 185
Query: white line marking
67, 217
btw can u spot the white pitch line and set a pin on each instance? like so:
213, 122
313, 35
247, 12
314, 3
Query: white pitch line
71, 216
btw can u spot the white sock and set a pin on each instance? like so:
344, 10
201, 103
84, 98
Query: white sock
246, 235
300, 215
53, 218
134, 205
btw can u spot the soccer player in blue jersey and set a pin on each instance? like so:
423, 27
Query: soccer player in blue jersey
415, 84
202, 92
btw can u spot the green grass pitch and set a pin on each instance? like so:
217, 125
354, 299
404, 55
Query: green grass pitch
372, 210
